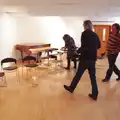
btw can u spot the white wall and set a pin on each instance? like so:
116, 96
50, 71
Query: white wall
16, 29
8, 35
48, 29
26, 29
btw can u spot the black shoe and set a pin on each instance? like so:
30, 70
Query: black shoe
118, 79
68, 88
92, 97
105, 80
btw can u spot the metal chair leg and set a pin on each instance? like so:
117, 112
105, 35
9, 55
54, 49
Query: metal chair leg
5, 80
27, 73
17, 75
34, 82
22, 70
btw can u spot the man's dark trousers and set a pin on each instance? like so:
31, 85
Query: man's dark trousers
83, 65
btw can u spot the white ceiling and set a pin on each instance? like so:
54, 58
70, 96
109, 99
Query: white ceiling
92, 9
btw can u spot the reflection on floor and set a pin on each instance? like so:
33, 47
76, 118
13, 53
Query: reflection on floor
49, 101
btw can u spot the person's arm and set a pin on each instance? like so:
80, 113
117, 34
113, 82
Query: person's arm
79, 49
72, 43
83, 44
66, 46
99, 43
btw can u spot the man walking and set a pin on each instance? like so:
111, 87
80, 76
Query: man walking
89, 45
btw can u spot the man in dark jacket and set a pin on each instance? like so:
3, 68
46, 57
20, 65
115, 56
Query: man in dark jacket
90, 43
71, 50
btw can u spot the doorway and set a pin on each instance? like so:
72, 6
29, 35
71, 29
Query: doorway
103, 34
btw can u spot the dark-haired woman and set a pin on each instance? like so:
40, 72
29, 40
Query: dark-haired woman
113, 49
71, 50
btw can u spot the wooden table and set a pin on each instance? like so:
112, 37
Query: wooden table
25, 47
45, 49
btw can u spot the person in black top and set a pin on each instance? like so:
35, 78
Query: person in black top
71, 50
90, 43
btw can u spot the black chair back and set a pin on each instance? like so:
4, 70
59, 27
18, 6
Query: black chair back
8, 60
29, 58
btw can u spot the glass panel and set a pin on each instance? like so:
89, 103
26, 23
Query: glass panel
104, 35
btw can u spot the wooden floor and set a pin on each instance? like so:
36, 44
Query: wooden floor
49, 101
